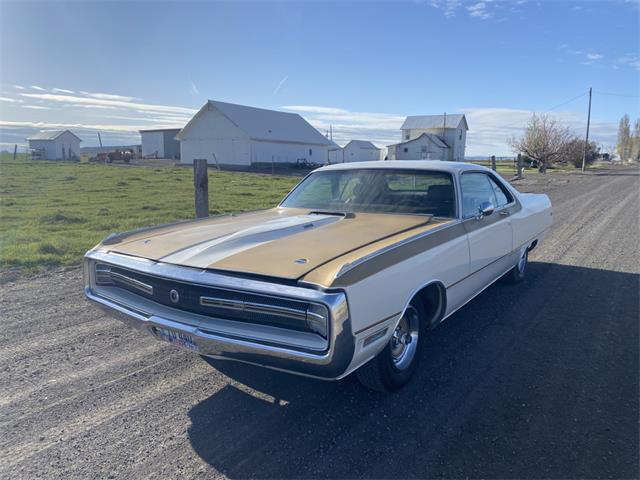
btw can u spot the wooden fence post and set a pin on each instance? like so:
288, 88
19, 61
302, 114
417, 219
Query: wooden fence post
493, 163
519, 164
201, 185
15, 151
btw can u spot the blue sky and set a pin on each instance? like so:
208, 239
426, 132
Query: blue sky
358, 66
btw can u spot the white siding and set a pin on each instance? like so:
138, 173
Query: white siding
421, 149
354, 153
214, 137
152, 144
451, 138
53, 149
282, 152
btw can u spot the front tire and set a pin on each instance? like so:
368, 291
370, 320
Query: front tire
392, 368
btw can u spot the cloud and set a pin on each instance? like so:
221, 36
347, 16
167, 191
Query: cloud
194, 88
632, 61
79, 126
10, 100
479, 10
110, 102
62, 90
109, 96
280, 84
490, 127
18, 87
594, 56
36, 107
36, 87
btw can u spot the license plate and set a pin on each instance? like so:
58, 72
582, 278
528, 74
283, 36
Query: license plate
178, 339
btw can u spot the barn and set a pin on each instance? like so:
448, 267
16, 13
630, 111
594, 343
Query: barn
239, 136
361, 151
55, 145
450, 129
160, 143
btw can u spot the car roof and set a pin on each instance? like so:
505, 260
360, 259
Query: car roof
437, 165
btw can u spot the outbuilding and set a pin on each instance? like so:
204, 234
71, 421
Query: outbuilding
427, 146
450, 128
361, 151
55, 145
160, 143
239, 136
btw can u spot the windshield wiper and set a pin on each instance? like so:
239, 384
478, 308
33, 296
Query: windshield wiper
328, 212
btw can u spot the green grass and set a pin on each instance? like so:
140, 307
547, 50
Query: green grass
51, 213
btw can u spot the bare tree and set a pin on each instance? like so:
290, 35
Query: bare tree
545, 140
624, 138
635, 141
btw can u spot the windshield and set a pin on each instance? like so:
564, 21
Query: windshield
418, 192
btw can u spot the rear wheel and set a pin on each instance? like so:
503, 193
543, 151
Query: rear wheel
517, 273
394, 366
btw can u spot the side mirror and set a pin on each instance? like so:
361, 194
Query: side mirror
484, 210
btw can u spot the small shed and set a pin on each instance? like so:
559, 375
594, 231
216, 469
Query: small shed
239, 136
55, 145
160, 143
361, 151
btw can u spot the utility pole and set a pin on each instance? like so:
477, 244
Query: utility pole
99, 140
586, 140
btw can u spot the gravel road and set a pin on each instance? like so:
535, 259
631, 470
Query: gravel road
529, 381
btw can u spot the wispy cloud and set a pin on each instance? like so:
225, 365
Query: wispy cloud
36, 87
109, 96
36, 107
589, 56
280, 84
107, 100
632, 61
194, 89
62, 90
479, 10
594, 56
18, 87
10, 100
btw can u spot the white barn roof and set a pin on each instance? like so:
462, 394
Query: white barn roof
51, 135
362, 144
434, 121
262, 124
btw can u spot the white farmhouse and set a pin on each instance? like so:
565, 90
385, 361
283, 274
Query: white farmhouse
237, 135
55, 144
360, 151
160, 143
435, 137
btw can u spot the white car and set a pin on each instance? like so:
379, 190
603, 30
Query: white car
347, 274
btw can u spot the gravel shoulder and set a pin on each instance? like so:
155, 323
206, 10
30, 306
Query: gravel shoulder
529, 381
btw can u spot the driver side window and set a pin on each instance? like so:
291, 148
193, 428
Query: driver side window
476, 190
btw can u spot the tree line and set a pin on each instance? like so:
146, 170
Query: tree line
547, 141
628, 148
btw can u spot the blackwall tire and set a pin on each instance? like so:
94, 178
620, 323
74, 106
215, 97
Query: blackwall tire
519, 271
394, 366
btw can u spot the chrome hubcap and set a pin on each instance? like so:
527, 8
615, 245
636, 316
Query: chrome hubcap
404, 341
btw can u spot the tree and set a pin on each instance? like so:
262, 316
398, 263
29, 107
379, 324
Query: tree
545, 140
574, 150
635, 142
624, 138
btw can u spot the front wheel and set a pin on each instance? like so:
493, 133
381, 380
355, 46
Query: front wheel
394, 366
517, 273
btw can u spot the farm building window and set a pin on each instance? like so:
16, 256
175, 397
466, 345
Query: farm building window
407, 135
405, 149
310, 152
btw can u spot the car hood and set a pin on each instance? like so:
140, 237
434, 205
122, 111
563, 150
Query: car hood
281, 242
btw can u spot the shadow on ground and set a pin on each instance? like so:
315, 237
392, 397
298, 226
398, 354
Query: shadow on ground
528, 381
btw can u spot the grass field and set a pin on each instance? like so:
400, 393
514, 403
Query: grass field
51, 213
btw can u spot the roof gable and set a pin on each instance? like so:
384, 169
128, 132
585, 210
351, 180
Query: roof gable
430, 136
51, 135
434, 121
269, 125
365, 144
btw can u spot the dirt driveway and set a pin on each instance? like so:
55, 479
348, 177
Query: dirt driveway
536, 380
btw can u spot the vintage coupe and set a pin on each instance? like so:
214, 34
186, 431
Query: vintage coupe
347, 274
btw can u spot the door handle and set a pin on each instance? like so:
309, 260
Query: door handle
504, 213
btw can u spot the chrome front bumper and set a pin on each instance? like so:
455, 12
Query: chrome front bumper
266, 346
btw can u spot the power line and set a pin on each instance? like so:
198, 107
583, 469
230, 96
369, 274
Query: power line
617, 94
568, 101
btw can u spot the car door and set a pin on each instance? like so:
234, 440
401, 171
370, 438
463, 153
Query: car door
490, 236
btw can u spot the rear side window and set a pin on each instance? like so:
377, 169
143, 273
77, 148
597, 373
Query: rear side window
476, 190
503, 197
